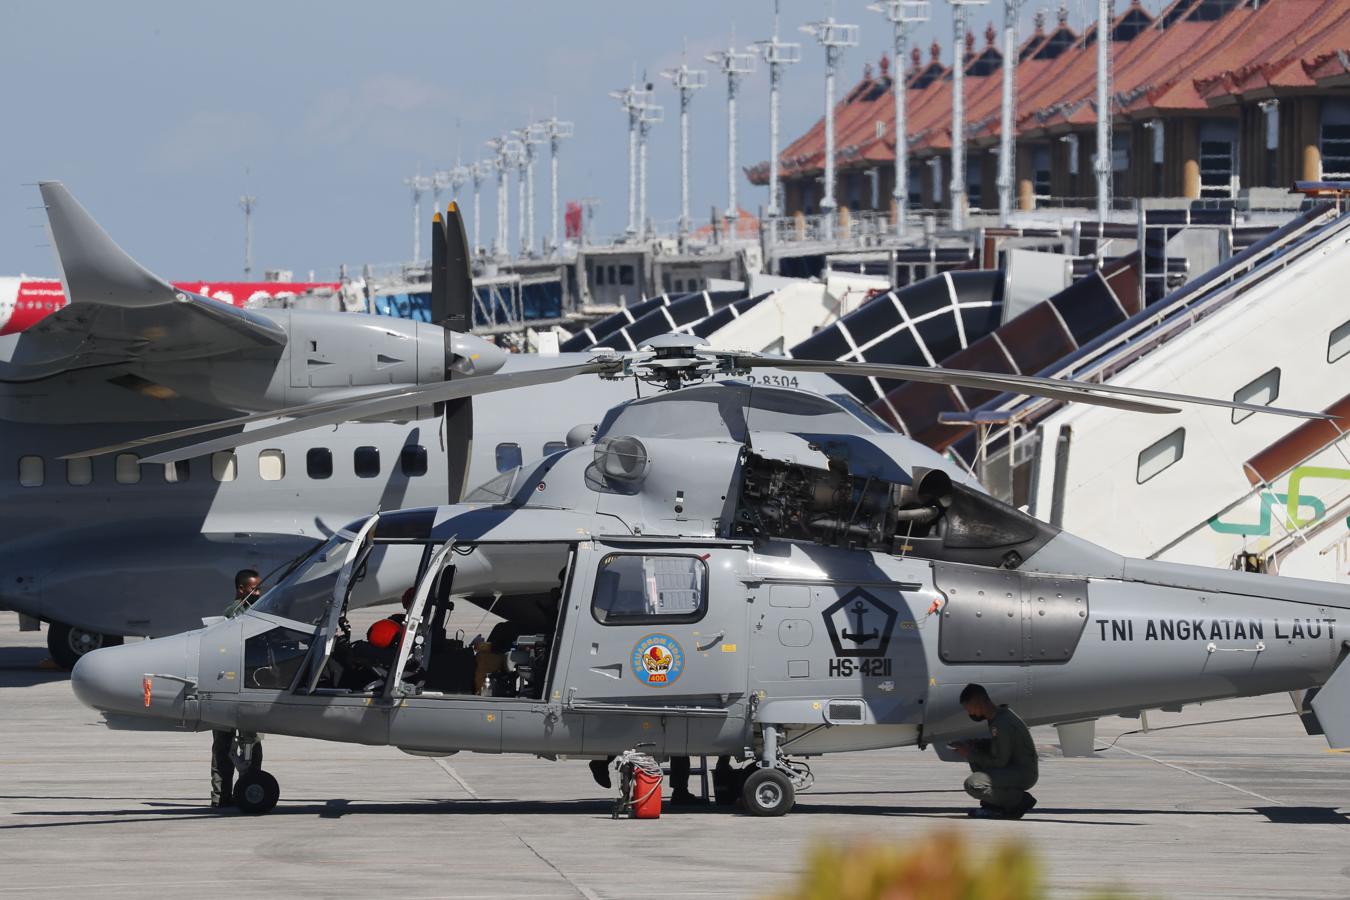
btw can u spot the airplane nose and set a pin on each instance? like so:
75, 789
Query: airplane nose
113, 679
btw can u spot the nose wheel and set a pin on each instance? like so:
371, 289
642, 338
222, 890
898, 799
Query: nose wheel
67, 643
256, 792
768, 792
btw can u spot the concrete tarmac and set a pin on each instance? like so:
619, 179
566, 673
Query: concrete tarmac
1239, 809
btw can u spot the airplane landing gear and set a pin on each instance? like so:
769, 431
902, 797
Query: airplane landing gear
67, 643
256, 792
768, 792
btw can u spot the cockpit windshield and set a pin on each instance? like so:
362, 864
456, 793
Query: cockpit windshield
305, 592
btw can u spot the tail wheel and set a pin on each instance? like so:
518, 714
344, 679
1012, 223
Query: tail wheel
67, 643
256, 792
768, 792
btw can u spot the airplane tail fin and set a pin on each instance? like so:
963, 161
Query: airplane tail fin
93, 268
1331, 705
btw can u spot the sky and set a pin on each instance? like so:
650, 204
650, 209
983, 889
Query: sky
159, 115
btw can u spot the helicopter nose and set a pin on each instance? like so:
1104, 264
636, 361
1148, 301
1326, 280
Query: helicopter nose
146, 678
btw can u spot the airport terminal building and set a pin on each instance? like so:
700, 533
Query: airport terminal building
1210, 99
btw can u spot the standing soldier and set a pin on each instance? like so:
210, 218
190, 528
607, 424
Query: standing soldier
246, 583
1003, 768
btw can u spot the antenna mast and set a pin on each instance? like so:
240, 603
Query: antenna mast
686, 81
733, 64
631, 99
1103, 163
776, 55
477, 172
419, 184
1007, 140
835, 38
650, 114
958, 185
555, 132
904, 15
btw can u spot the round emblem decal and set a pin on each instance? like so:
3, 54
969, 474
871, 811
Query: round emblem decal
658, 660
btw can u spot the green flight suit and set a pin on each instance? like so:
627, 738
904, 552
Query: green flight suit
1005, 767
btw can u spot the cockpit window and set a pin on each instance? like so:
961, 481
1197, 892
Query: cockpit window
498, 490
730, 409
304, 594
272, 658
862, 413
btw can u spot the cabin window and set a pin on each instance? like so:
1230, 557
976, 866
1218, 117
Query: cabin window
177, 472
412, 460
272, 658
1262, 391
271, 465
1339, 343
127, 468
647, 590
508, 457
319, 463
599, 275
32, 471
79, 471
366, 461
625, 274
224, 466
551, 447
1161, 455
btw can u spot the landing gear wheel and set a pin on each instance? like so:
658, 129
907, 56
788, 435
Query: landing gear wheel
256, 793
67, 644
768, 792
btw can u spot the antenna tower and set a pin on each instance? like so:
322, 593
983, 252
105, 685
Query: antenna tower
555, 132
246, 203
835, 38
904, 16
958, 184
419, 184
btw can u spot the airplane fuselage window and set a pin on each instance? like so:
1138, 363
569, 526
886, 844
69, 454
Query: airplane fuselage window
79, 471
271, 465
319, 463
127, 468
1262, 390
508, 457
636, 589
224, 465
32, 471
366, 461
412, 460
1338, 344
177, 472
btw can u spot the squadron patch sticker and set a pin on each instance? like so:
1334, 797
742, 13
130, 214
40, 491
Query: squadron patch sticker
658, 660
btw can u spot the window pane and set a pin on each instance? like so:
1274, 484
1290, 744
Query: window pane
554, 446
32, 471
413, 460
271, 465
177, 472
1339, 343
319, 462
1156, 457
625, 274
224, 466
366, 461
508, 457
127, 468
272, 658
79, 471
649, 589
1262, 391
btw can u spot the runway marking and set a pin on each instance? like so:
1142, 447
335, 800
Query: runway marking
507, 820
1202, 777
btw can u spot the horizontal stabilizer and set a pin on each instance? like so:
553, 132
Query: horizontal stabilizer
1332, 706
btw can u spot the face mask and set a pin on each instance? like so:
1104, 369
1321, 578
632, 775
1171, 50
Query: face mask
975, 718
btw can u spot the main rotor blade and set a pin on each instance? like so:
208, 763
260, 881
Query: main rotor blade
335, 412
1029, 385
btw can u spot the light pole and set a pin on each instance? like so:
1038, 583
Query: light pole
733, 64
419, 183
958, 183
686, 81
556, 132
776, 55
1103, 164
835, 38
247, 203
631, 99
650, 114
904, 15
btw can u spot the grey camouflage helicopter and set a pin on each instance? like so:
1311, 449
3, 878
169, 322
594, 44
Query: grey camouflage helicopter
727, 569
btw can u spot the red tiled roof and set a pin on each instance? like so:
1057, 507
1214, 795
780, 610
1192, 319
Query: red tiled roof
1189, 65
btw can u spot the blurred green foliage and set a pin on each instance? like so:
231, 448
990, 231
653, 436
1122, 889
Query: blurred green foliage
938, 867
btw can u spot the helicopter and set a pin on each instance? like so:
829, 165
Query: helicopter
726, 569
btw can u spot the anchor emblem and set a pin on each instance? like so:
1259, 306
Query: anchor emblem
859, 609
860, 624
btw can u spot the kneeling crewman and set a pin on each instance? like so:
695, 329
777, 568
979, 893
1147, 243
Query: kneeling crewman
1004, 767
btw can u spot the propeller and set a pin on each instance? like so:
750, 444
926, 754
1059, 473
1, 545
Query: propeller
671, 360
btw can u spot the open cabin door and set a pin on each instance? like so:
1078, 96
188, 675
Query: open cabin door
356, 554
414, 635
